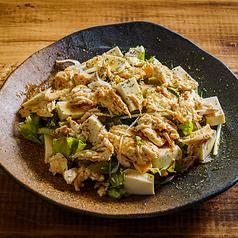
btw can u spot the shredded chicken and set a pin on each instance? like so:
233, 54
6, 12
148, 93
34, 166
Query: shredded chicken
132, 72
138, 153
102, 190
74, 125
76, 176
66, 130
70, 175
56, 94
100, 152
168, 78
85, 173
193, 141
154, 126
82, 78
90, 112
199, 136
63, 79
159, 99
58, 164
107, 91
83, 96
42, 108
112, 101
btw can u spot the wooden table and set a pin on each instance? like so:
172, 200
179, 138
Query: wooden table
28, 26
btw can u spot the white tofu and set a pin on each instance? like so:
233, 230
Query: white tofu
135, 61
167, 156
138, 183
136, 52
65, 110
48, 144
219, 117
155, 61
128, 88
94, 127
37, 98
116, 63
115, 52
205, 149
181, 73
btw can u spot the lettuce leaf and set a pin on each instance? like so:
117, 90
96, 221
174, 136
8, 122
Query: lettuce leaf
117, 179
186, 128
174, 91
116, 192
101, 167
29, 128
116, 189
34, 127
67, 146
47, 131
141, 56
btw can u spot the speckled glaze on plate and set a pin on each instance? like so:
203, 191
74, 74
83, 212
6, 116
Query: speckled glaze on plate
24, 161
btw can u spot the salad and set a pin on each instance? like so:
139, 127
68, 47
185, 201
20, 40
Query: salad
126, 123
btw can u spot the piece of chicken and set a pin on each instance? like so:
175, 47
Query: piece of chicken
191, 107
42, 108
100, 152
93, 131
159, 99
168, 78
70, 77
154, 128
82, 96
76, 176
133, 145
71, 129
197, 138
58, 164
112, 101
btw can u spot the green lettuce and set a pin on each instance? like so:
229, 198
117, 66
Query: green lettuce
67, 146
116, 189
47, 131
174, 91
101, 167
116, 192
186, 128
141, 56
29, 128
34, 127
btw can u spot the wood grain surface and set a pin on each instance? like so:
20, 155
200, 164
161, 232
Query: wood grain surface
28, 26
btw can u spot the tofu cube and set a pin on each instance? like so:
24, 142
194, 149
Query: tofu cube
181, 73
205, 149
48, 144
115, 52
219, 117
116, 63
138, 183
129, 90
95, 128
65, 110
167, 156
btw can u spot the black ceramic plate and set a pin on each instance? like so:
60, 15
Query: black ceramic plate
24, 161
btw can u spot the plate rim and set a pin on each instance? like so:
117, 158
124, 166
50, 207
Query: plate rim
127, 216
